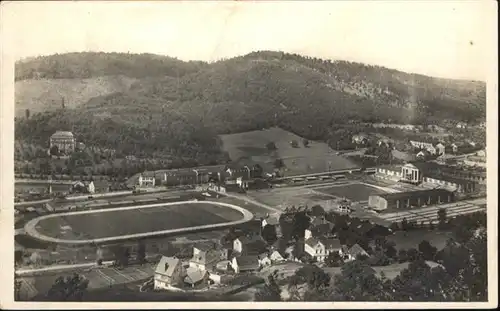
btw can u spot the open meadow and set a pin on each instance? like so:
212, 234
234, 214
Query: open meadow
250, 148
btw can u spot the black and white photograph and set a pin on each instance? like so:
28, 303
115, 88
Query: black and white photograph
254, 154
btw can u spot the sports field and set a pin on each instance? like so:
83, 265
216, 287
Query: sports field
118, 222
354, 192
250, 148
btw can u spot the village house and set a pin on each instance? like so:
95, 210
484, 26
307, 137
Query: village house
276, 257
218, 278
245, 263
196, 277
320, 248
169, 272
206, 256
354, 252
249, 245
272, 220
319, 230
461, 125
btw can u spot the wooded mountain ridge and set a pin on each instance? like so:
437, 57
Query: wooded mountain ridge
167, 104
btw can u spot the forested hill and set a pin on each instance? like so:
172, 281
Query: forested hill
147, 99
98, 64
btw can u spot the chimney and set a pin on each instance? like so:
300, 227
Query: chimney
166, 266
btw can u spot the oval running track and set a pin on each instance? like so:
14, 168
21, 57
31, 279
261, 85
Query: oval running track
31, 225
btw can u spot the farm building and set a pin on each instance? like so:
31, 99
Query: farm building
410, 199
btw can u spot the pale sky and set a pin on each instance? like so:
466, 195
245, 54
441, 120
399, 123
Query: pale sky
443, 38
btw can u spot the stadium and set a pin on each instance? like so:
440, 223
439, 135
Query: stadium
136, 222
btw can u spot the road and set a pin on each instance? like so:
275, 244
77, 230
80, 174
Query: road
30, 227
251, 201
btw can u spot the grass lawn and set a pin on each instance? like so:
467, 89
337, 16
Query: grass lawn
123, 222
250, 148
353, 192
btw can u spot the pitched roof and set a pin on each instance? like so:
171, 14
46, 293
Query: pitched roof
62, 134
250, 239
331, 243
194, 275
312, 242
356, 250
247, 262
166, 265
204, 247
276, 255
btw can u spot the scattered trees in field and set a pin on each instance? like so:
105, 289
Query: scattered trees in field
70, 288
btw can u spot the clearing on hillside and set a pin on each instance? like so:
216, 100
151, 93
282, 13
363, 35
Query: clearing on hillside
250, 148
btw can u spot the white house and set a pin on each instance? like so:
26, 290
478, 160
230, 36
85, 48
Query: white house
319, 249
276, 257
169, 272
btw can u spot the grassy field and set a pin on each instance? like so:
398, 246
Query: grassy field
123, 222
250, 148
353, 192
